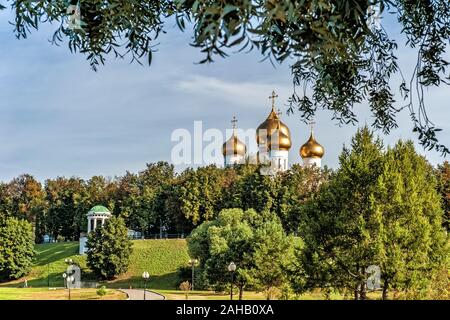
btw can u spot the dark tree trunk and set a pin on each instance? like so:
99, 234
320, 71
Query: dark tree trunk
241, 291
363, 291
385, 289
356, 292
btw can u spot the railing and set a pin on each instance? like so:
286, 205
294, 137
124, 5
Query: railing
159, 236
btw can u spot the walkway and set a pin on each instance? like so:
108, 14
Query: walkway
138, 294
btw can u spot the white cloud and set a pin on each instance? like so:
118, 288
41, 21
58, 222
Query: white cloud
242, 93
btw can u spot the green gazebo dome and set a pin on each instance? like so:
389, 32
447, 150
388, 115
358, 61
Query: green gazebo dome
99, 209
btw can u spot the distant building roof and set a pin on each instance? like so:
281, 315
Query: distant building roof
99, 210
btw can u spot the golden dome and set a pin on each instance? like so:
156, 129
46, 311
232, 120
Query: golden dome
234, 146
271, 126
283, 141
311, 149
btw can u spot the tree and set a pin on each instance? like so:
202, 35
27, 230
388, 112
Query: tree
336, 48
380, 208
16, 248
413, 243
24, 198
299, 185
255, 242
443, 176
68, 205
339, 226
201, 193
109, 249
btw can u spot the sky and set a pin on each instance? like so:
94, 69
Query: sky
60, 118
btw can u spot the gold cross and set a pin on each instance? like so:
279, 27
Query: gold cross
273, 96
233, 122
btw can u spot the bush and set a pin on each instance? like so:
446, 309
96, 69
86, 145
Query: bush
186, 287
109, 249
102, 291
16, 248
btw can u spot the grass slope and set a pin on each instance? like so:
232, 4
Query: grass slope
161, 258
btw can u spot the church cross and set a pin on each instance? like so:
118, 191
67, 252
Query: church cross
273, 96
233, 122
311, 124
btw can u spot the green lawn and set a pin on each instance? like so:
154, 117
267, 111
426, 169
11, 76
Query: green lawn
60, 294
161, 258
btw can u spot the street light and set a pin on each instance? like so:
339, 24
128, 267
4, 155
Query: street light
68, 280
145, 276
193, 262
232, 269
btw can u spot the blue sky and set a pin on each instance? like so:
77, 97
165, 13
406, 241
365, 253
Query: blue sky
58, 117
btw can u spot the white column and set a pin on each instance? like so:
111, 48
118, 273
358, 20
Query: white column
95, 223
89, 225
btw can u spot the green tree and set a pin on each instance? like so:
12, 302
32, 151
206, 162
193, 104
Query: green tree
298, 185
67, 206
443, 175
255, 242
340, 225
334, 47
380, 208
109, 249
201, 193
24, 198
413, 243
16, 248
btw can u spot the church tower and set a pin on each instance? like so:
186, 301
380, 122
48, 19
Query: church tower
233, 149
312, 152
274, 140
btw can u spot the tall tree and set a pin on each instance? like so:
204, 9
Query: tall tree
380, 208
24, 198
67, 207
443, 175
16, 248
109, 249
412, 241
340, 225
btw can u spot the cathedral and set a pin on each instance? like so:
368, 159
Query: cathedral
274, 142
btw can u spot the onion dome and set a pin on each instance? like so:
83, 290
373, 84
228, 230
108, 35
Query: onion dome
311, 149
234, 146
279, 140
273, 126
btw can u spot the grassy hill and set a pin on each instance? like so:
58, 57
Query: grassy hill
161, 258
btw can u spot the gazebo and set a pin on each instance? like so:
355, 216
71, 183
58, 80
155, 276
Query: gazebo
96, 217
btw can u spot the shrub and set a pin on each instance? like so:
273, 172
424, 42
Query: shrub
16, 248
102, 291
109, 249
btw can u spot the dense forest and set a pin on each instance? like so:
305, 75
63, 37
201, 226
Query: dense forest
159, 200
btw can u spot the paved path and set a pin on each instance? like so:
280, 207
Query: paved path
138, 294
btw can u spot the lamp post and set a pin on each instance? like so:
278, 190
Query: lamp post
232, 269
193, 262
145, 276
68, 279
